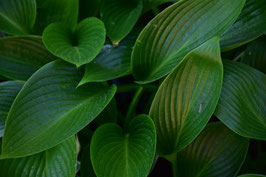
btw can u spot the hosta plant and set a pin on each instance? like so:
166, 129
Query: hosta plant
115, 88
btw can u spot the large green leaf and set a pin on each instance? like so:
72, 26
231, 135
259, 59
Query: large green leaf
119, 17
216, 152
8, 92
128, 153
79, 46
17, 16
250, 24
20, 57
255, 54
50, 11
242, 103
187, 98
50, 108
176, 31
59, 161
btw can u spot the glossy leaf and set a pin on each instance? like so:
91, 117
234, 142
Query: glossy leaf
250, 24
251, 175
255, 54
58, 161
216, 152
20, 57
8, 92
176, 31
78, 47
17, 16
242, 103
187, 98
128, 153
89, 8
50, 109
119, 17
51, 11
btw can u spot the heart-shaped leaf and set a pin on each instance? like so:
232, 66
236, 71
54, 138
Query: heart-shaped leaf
187, 98
8, 92
242, 103
250, 24
176, 31
128, 153
20, 57
79, 46
51, 11
17, 17
58, 161
119, 17
216, 152
50, 108
89, 8
255, 54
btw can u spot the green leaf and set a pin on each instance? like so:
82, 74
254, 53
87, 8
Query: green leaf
109, 114
119, 17
51, 11
8, 92
20, 57
251, 175
187, 98
216, 152
250, 24
242, 103
176, 31
127, 153
255, 54
79, 46
58, 161
89, 8
50, 108
17, 16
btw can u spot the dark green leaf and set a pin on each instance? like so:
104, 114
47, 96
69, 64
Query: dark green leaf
79, 46
20, 57
119, 17
50, 109
216, 152
109, 114
88, 8
128, 153
86, 169
59, 161
242, 103
8, 92
176, 31
250, 24
251, 175
17, 16
187, 98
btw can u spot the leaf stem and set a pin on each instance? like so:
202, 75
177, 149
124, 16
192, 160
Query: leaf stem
239, 56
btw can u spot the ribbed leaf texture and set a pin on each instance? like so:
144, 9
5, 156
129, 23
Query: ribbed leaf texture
242, 103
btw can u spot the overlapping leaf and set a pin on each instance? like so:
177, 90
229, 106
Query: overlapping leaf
58, 161
242, 103
250, 24
216, 152
8, 92
17, 16
50, 109
127, 153
20, 57
176, 31
79, 46
187, 98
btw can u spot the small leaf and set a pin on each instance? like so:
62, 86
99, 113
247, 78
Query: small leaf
128, 153
78, 47
17, 17
20, 57
8, 92
176, 31
50, 109
242, 103
216, 152
119, 17
250, 24
58, 161
187, 98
